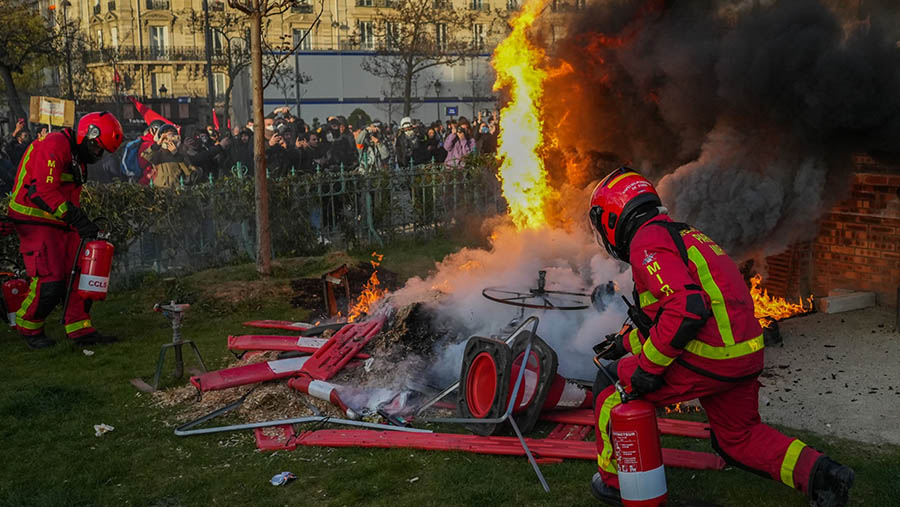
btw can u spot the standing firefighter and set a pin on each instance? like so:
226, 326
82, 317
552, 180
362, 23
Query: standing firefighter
695, 336
49, 222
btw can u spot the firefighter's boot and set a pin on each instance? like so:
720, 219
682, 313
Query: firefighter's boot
606, 494
94, 338
38, 341
830, 483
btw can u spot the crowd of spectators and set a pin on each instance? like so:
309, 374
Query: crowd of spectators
166, 156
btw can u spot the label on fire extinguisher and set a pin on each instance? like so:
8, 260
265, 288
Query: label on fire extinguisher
91, 283
627, 450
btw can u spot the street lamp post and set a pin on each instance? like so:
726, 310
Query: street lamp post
163, 90
65, 6
207, 35
437, 90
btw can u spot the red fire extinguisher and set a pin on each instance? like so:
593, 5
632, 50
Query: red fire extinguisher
635, 441
94, 266
15, 290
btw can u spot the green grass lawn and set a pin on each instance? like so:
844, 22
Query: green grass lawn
52, 398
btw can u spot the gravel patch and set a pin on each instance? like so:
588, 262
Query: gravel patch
836, 375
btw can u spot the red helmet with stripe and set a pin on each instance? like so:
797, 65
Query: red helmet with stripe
614, 205
97, 132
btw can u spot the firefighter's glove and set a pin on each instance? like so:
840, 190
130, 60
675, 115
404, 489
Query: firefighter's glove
640, 320
645, 383
78, 220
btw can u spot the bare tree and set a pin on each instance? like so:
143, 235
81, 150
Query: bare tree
26, 40
416, 35
257, 11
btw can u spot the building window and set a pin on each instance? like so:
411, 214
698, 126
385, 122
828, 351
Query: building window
161, 82
440, 36
159, 42
302, 34
364, 3
477, 5
96, 6
114, 38
391, 36
100, 39
219, 84
478, 36
366, 35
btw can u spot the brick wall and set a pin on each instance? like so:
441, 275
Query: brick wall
858, 244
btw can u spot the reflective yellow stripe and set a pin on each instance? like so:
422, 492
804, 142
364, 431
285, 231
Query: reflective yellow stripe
20, 181
655, 356
619, 177
715, 295
605, 459
27, 324
731, 351
66, 177
26, 303
77, 326
32, 212
61, 210
790, 461
634, 341
646, 299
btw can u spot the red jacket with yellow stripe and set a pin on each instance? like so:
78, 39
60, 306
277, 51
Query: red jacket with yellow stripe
46, 183
698, 301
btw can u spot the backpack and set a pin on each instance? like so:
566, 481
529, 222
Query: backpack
129, 165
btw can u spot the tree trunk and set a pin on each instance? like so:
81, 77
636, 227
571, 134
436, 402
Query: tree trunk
15, 104
407, 94
263, 245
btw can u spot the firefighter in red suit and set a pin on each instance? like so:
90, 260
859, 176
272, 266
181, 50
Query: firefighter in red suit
44, 206
694, 336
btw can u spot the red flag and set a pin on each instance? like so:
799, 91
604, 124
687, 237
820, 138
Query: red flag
228, 122
215, 120
116, 77
148, 114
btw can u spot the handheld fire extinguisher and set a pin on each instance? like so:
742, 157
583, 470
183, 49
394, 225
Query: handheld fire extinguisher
635, 440
92, 267
15, 290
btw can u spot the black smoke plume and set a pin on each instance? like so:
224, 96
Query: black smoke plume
746, 113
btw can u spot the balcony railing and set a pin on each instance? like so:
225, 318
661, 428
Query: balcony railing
301, 8
159, 54
97, 8
374, 3
158, 5
111, 6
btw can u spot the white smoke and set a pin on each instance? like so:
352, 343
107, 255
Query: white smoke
573, 262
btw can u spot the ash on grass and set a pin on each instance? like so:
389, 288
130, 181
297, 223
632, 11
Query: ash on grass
269, 402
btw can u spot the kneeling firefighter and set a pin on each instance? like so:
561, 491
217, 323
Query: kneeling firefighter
694, 336
44, 206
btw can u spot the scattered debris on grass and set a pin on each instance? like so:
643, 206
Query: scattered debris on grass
101, 429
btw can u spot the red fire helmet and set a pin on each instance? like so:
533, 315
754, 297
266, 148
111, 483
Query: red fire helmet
101, 127
613, 204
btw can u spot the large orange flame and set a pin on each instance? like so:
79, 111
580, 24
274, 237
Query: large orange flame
371, 292
767, 308
519, 66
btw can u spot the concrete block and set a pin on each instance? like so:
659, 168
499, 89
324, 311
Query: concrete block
846, 302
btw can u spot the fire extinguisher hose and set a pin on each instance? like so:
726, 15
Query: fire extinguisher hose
72, 275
